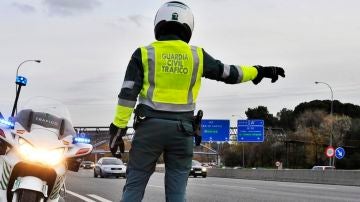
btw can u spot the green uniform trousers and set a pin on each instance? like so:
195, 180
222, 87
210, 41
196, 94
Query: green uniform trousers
153, 137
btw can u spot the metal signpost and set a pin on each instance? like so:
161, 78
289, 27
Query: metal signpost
250, 130
215, 130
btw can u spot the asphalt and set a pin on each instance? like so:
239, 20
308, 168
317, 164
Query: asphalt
82, 186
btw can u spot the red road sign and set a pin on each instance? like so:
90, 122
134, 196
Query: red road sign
330, 151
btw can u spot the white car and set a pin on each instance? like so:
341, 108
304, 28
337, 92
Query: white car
110, 166
323, 168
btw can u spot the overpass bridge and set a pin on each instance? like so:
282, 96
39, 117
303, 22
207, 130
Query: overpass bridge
99, 137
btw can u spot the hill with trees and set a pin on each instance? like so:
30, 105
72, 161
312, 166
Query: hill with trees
298, 137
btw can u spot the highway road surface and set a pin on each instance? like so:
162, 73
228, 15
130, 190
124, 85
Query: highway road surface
82, 186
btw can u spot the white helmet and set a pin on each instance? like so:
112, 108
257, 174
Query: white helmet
177, 17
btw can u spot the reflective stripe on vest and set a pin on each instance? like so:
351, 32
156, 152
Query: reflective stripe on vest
172, 75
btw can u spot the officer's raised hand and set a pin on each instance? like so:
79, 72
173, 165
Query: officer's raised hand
271, 72
116, 142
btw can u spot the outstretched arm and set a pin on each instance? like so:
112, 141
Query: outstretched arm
233, 74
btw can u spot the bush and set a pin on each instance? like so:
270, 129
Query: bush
232, 158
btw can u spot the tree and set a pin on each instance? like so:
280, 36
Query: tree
354, 132
339, 126
262, 112
232, 157
286, 119
316, 128
347, 109
308, 125
307, 128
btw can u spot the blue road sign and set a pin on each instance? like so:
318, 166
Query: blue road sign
250, 130
339, 153
215, 130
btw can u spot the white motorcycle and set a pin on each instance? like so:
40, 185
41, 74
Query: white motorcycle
37, 147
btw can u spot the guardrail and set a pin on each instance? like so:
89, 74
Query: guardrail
338, 177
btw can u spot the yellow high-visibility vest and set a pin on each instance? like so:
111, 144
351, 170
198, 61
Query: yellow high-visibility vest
172, 75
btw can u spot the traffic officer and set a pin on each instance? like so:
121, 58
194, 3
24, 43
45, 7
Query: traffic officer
165, 78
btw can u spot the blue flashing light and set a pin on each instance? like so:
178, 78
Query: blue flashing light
7, 123
20, 80
81, 140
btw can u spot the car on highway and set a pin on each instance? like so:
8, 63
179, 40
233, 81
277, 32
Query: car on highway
110, 166
87, 165
197, 169
323, 168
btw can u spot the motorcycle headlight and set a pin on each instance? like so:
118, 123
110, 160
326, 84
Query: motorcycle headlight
31, 153
55, 156
26, 149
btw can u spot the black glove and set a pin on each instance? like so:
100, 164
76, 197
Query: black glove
268, 72
198, 139
116, 142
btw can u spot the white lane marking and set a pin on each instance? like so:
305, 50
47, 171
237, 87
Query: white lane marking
156, 186
79, 196
99, 198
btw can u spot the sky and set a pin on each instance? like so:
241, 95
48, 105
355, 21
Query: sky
85, 46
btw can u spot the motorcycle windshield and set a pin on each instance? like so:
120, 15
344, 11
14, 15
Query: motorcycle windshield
46, 113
